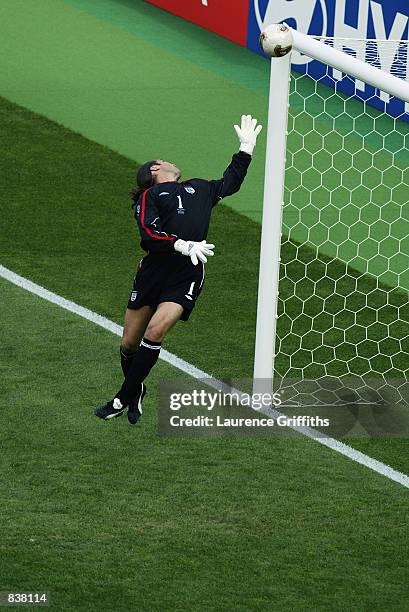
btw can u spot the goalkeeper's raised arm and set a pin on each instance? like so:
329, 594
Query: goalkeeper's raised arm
173, 218
235, 173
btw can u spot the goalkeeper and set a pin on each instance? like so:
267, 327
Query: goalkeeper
173, 219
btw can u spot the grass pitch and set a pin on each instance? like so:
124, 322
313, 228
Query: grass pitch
106, 516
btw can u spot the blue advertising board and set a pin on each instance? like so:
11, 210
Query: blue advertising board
351, 19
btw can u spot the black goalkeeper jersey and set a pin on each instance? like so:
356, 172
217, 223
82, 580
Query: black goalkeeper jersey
169, 211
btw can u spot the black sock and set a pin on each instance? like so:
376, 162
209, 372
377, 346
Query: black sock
143, 361
126, 360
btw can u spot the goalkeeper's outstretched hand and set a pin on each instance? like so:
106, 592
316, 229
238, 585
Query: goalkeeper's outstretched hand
247, 133
195, 250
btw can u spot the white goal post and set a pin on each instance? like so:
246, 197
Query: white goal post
275, 173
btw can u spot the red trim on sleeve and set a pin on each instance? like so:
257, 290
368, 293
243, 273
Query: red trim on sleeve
145, 227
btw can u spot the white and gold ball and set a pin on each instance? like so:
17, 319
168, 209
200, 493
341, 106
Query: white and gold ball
276, 40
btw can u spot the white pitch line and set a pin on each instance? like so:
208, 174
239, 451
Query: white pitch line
184, 366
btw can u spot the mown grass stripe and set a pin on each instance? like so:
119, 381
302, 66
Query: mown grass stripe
191, 370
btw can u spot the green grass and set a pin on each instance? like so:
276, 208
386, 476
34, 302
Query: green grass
70, 227
347, 181
87, 58
336, 321
344, 302
106, 516
81, 242
91, 57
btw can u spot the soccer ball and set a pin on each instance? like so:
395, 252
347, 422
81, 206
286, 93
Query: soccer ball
276, 40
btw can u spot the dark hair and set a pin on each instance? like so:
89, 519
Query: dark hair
144, 180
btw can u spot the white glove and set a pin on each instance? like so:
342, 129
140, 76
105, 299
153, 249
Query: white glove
194, 250
247, 133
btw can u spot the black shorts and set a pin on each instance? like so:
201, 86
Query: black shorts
167, 278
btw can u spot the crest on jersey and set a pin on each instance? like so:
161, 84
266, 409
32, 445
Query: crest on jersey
134, 296
189, 189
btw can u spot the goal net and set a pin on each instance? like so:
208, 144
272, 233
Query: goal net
343, 307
